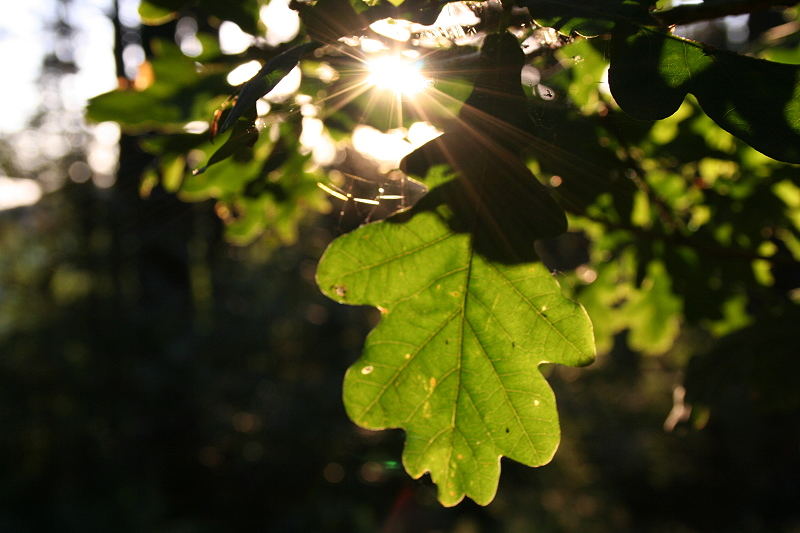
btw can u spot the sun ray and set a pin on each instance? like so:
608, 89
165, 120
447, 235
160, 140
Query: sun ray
396, 73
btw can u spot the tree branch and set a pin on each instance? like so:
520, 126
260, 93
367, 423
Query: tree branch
686, 14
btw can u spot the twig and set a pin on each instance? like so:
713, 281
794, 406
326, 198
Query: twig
686, 14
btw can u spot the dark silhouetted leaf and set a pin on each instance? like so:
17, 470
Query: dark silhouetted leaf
327, 20
267, 78
755, 100
587, 17
483, 148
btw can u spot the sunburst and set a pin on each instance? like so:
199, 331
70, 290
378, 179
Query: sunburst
396, 73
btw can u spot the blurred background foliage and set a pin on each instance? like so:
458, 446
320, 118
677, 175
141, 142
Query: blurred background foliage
168, 364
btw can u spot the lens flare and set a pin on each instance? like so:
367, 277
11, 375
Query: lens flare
396, 73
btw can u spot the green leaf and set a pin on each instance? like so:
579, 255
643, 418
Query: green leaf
178, 94
245, 13
173, 170
654, 313
242, 12
243, 136
755, 100
132, 108
264, 81
154, 13
453, 361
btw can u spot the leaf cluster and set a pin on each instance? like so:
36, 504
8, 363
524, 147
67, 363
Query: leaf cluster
675, 176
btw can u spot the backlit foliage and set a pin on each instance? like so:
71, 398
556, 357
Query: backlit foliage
590, 161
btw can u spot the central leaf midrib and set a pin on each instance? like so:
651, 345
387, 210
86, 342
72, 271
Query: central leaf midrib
464, 300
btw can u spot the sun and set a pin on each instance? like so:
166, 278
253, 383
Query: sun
396, 73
